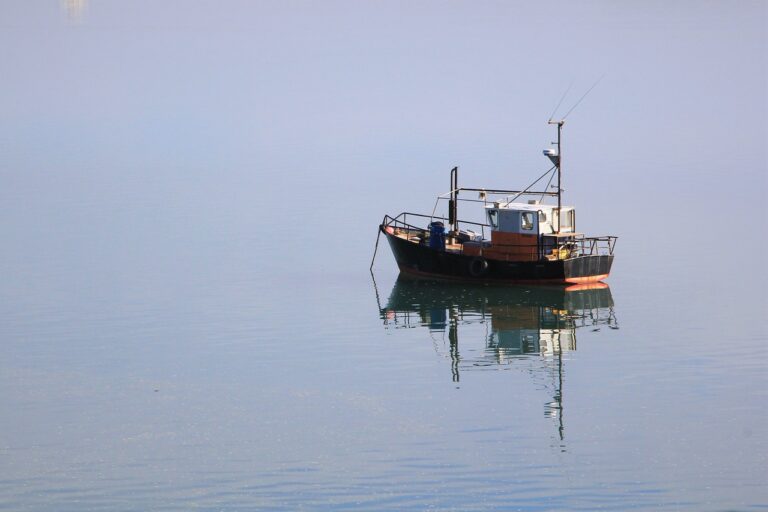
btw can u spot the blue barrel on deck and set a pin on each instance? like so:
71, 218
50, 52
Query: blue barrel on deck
437, 236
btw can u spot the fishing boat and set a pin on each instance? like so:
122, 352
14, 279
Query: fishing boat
522, 239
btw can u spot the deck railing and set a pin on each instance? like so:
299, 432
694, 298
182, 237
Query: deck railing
549, 247
580, 245
401, 221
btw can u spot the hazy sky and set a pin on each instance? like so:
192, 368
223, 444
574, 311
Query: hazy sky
232, 110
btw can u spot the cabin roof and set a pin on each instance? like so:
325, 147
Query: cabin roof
525, 207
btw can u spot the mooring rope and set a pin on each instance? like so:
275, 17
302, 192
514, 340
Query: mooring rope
375, 249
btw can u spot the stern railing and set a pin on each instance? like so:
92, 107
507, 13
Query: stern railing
581, 245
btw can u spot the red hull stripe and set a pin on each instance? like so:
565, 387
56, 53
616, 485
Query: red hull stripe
586, 279
589, 286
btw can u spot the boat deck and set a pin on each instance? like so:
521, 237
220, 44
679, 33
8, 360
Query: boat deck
573, 245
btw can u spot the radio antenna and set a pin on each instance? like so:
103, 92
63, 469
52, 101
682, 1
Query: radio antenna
561, 101
582, 98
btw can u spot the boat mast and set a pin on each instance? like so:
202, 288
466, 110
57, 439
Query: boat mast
558, 161
453, 206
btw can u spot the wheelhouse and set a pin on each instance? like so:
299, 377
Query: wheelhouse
530, 218
531, 231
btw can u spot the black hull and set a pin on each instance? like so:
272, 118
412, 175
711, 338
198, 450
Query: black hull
421, 260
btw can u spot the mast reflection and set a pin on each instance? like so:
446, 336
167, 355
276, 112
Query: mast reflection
502, 327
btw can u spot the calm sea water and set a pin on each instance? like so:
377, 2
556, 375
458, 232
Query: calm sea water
169, 367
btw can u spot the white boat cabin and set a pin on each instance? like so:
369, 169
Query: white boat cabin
530, 218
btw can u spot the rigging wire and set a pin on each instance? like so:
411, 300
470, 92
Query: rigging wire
532, 184
582, 98
547, 187
561, 101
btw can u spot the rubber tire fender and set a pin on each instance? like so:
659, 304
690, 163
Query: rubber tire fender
478, 266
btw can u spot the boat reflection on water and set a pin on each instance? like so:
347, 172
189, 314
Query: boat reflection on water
528, 327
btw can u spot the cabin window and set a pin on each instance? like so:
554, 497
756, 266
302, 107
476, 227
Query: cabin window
542, 217
493, 218
526, 221
567, 219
